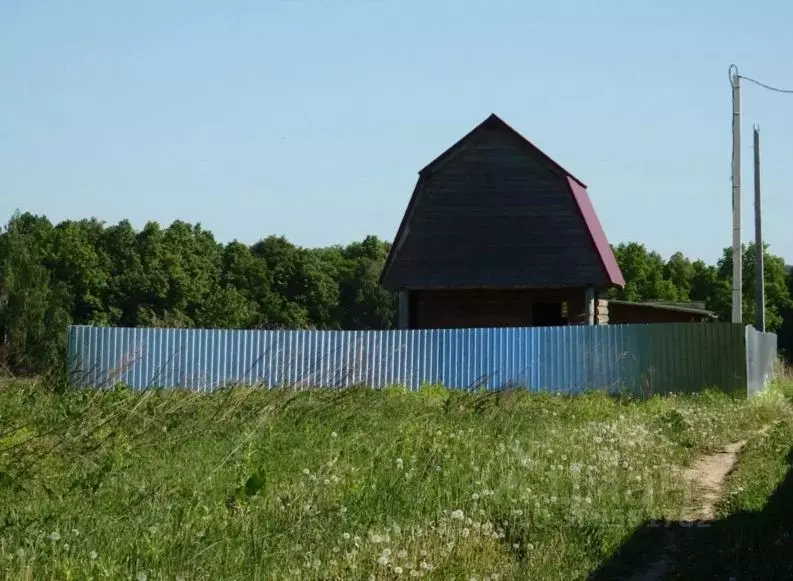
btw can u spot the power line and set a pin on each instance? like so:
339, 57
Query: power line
734, 73
769, 87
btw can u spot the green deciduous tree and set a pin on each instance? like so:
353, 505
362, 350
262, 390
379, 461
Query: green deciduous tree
777, 295
34, 308
644, 275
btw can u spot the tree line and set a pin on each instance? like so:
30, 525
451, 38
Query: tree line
84, 272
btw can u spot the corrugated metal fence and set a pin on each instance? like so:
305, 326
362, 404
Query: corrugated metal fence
761, 351
638, 358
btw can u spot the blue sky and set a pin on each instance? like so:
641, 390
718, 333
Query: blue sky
311, 118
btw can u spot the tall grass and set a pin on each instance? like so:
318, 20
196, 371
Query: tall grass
342, 484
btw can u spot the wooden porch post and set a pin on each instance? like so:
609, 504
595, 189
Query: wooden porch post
403, 311
589, 300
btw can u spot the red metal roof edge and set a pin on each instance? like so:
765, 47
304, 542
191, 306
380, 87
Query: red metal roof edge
596, 232
494, 119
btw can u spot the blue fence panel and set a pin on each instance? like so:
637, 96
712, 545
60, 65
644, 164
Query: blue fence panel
643, 359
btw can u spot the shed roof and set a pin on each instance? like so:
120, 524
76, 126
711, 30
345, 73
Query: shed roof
694, 308
574, 187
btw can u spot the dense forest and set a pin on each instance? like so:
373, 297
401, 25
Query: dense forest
84, 272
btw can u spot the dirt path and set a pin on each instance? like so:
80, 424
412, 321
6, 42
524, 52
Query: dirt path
707, 476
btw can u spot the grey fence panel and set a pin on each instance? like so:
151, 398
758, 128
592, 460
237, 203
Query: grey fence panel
643, 359
761, 353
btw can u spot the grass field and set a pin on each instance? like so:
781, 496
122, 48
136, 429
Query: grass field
363, 484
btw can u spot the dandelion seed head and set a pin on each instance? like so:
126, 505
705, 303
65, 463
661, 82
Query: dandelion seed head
55, 536
93, 555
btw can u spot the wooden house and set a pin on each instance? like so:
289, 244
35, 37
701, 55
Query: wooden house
497, 234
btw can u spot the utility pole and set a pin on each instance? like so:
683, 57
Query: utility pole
758, 239
735, 81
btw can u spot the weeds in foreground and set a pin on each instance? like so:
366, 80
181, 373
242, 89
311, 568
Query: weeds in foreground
342, 484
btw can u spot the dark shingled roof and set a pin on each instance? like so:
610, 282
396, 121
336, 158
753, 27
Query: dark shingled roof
569, 183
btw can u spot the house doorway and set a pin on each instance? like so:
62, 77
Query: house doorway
548, 314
